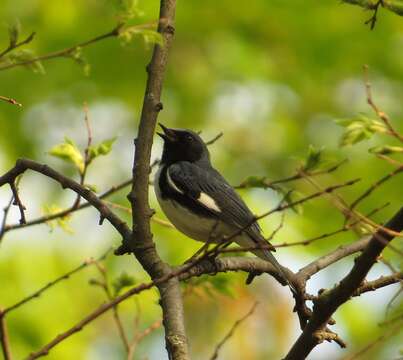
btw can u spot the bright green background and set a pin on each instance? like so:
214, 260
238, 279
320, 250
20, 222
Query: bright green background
273, 76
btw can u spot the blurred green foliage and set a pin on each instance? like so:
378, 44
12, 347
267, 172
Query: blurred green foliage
273, 76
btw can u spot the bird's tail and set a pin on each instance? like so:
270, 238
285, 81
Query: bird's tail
268, 256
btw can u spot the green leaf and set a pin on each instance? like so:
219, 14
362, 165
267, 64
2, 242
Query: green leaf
359, 129
91, 187
26, 55
62, 222
254, 182
127, 9
149, 36
68, 151
103, 148
386, 150
77, 56
290, 197
314, 158
122, 281
14, 30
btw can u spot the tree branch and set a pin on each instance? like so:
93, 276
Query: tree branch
232, 331
4, 341
65, 52
52, 283
329, 301
395, 6
24, 164
142, 244
379, 283
10, 100
63, 213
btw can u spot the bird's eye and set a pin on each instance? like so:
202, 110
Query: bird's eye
189, 138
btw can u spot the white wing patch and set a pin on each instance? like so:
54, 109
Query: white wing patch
172, 184
208, 202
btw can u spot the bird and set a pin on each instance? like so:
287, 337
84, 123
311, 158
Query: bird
198, 200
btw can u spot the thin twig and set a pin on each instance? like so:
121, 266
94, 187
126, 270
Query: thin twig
24, 164
6, 211
372, 20
375, 185
297, 176
52, 283
382, 115
214, 139
116, 317
17, 201
386, 336
12, 47
137, 338
10, 100
232, 331
4, 340
63, 213
65, 52
378, 283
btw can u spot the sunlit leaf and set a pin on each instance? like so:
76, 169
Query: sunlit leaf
103, 148
25, 55
314, 158
127, 9
14, 30
63, 222
68, 151
386, 150
78, 58
359, 129
254, 182
149, 36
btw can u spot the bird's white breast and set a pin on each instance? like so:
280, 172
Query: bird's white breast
194, 226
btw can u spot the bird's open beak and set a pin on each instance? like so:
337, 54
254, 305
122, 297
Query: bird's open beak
168, 135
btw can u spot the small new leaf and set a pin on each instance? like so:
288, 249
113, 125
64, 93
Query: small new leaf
68, 151
26, 55
62, 222
79, 59
91, 187
314, 158
289, 197
14, 30
386, 150
122, 281
149, 36
254, 182
127, 9
103, 148
359, 129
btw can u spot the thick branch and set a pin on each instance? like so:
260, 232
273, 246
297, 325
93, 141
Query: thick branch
142, 244
329, 301
199, 267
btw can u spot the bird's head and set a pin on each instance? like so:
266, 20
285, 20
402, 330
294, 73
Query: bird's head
182, 145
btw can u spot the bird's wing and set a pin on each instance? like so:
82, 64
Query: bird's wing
210, 191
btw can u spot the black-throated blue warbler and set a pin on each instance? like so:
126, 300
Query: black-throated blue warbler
199, 201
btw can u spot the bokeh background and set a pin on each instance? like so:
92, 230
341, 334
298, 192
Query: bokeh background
272, 76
